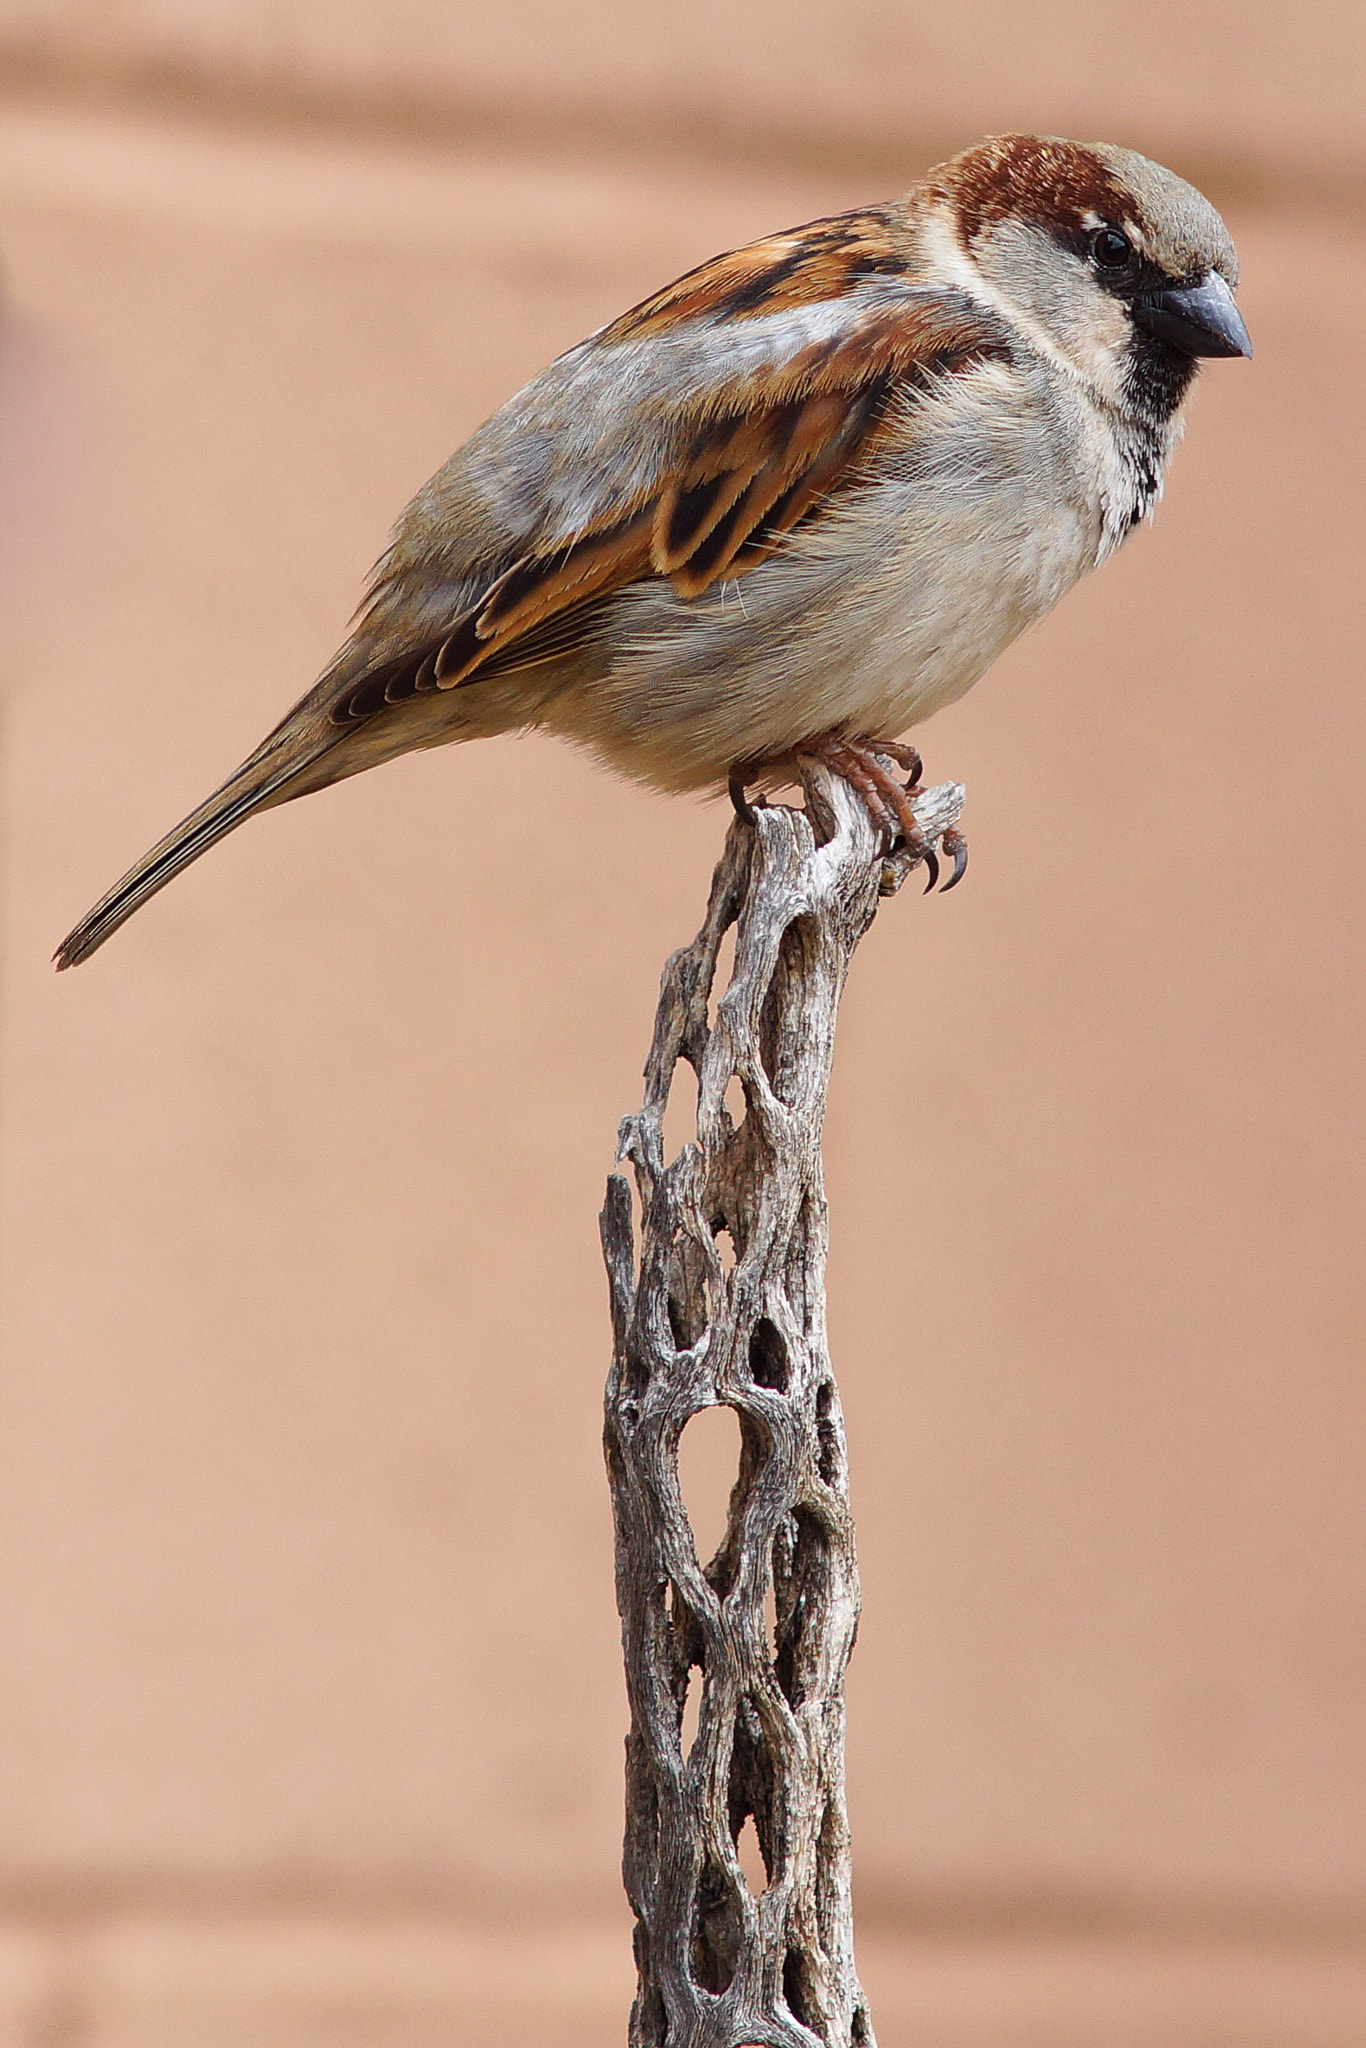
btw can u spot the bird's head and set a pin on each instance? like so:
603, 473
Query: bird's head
1115, 265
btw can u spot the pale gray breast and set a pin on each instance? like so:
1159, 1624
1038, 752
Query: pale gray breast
890, 604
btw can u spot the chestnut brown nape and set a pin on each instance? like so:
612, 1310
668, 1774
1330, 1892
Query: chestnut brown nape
1060, 184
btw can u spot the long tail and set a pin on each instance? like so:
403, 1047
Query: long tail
256, 785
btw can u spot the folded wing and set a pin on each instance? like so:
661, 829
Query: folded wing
684, 441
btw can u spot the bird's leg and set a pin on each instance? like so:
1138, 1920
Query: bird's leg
886, 802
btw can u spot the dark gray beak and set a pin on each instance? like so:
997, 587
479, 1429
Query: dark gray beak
1200, 319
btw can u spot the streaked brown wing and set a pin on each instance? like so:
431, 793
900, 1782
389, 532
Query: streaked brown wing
799, 267
749, 467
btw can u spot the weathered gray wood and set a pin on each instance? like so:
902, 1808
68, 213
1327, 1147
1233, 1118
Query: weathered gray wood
718, 1967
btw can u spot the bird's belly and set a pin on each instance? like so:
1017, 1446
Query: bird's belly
868, 626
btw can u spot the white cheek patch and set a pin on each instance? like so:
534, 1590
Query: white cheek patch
1098, 344
950, 261
1087, 346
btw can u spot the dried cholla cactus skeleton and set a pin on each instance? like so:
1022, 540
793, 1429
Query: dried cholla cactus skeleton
719, 1967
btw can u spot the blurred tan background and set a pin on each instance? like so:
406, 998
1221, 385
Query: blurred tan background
310, 1704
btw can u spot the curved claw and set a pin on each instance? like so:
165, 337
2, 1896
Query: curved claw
931, 860
952, 842
735, 789
906, 757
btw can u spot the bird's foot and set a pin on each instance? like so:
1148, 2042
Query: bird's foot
862, 763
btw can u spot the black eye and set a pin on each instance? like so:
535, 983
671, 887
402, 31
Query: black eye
1110, 250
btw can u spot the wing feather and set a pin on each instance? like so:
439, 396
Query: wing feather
805, 341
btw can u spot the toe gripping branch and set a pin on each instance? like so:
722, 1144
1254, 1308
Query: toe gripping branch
918, 824
895, 807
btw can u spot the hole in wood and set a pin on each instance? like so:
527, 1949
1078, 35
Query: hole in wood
636, 1373
768, 1360
771, 1617
752, 1857
681, 1324
783, 1029
680, 1112
796, 1988
824, 824
725, 969
716, 1931
829, 1460
687, 1295
690, 1720
736, 1106
708, 1463
725, 1245
632, 1187
802, 1557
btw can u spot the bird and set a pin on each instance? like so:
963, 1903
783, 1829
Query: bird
789, 505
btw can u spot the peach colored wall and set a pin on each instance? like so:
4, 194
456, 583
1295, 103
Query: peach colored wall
310, 1714
1269, 86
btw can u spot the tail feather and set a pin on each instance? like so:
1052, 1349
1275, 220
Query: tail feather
254, 786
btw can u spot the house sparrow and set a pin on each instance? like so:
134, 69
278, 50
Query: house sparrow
790, 505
